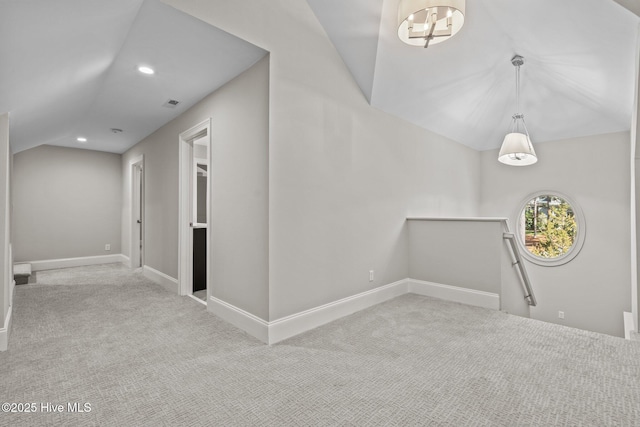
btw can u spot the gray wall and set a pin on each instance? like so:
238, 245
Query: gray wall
240, 143
636, 304
240, 191
342, 175
160, 151
467, 254
6, 265
594, 288
66, 203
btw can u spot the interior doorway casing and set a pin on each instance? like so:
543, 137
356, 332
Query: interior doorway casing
136, 214
185, 267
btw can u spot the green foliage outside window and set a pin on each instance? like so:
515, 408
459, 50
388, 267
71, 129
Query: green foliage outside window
550, 226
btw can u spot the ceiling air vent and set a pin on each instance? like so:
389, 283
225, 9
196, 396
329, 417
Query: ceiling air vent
171, 103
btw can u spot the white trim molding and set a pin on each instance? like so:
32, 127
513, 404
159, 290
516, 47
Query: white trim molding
125, 260
52, 264
251, 324
629, 324
578, 241
286, 327
5, 331
185, 232
454, 293
164, 280
461, 218
136, 201
289, 326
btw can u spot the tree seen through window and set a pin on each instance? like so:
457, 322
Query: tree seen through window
549, 225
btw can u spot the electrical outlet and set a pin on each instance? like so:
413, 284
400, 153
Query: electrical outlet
561, 315
107, 247
371, 275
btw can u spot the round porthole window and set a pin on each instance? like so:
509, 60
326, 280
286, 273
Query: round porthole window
550, 228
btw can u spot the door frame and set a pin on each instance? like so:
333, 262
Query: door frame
185, 232
136, 253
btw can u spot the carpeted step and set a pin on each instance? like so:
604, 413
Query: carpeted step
21, 273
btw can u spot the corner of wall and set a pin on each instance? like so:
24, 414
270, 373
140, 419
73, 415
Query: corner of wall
5, 331
167, 282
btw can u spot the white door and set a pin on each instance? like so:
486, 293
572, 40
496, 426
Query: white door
137, 215
195, 216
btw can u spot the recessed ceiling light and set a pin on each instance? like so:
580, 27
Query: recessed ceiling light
146, 70
81, 139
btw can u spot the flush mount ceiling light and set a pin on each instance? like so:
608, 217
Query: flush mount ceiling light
517, 149
146, 70
81, 139
425, 22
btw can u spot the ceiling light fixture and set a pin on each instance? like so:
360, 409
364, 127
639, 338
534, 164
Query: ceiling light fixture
425, 22
517, 149
146, 70
81, 139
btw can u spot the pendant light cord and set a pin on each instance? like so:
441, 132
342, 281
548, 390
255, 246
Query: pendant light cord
518, 117
518, 90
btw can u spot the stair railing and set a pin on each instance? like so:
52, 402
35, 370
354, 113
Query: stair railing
516, 261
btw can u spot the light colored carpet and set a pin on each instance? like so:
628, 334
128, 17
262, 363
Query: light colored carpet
103, 274
141, 356
201, 295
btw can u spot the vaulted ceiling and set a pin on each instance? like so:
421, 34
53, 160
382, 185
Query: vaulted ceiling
69, 69
578, 78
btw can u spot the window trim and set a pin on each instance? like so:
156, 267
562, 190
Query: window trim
577, 243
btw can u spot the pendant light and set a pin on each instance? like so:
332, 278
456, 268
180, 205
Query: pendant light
425, 22
517, 149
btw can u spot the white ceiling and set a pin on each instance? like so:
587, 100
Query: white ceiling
69, 69
578, 76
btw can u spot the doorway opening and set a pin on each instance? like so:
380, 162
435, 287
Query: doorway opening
195, 216
136, 222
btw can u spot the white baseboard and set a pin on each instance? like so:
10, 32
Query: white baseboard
12, 288
244, 320
287, 327
195, 298
164, 280
125, 260
455, 293
629, 324
4, 332
52, 264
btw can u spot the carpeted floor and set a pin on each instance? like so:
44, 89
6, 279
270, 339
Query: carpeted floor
141, 356
201, 295
103, 274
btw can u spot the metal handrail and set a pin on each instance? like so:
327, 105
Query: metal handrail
516, 260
